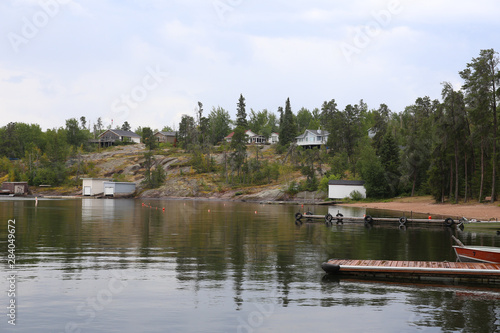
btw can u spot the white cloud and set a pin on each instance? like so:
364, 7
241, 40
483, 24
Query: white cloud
91, 54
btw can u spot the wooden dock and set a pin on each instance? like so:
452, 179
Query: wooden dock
450, 272
369, 220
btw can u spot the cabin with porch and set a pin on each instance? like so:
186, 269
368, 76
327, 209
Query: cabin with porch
253, 138
110, 137
312, 138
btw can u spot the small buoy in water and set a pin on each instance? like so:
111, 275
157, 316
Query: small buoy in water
255, 212
163, 208
209, 210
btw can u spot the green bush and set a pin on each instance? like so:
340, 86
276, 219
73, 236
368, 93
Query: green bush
55, 175
323, 183
5, 165
293, 188
356, 195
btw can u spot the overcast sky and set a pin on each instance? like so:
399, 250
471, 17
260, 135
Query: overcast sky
150, 61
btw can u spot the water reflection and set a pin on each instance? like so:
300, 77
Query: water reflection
221, 266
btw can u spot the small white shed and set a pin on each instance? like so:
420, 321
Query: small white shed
339, 189
93, 186
118, 188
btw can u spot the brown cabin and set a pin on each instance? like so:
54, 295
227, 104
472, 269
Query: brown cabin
15, 188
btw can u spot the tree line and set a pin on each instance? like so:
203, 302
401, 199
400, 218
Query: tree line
446, 148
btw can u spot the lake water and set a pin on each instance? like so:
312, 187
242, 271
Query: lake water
90, 265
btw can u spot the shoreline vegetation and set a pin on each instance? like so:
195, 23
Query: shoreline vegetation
124, 163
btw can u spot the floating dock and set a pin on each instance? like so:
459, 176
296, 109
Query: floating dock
369, 220
450, 272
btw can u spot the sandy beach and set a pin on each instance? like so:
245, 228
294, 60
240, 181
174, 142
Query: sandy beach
426, 205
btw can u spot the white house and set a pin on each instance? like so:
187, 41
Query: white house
93, 186
251, 137
104, 186
312, 138
118, 188
339, 189
275, 138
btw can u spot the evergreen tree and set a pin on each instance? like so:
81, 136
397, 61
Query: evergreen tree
148, 138
186, 131
126, 126
482, 79
239, 139
241, 114
288, 130
389, 158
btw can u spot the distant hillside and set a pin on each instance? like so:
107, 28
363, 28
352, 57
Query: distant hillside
127, 163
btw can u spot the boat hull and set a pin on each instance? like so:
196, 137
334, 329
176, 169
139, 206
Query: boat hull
477, 254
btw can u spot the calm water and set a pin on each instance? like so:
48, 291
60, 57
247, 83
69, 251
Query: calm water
201, 266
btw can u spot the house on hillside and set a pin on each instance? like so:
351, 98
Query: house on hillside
166, 137
109, 137
312, 138
275, 138
340, 189
255, 138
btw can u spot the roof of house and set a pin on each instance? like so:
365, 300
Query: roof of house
313, 132
167, 133
346, 182
246, 132
120, 132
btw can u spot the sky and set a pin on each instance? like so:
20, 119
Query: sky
149, 62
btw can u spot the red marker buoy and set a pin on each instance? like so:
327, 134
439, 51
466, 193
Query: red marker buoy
430, 217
